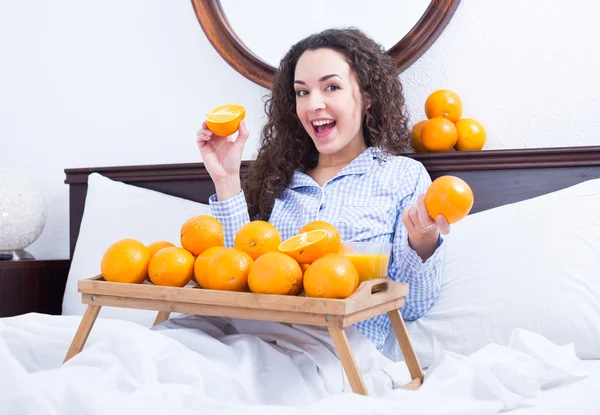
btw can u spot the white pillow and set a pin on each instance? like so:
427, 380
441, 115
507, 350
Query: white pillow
533, 264
113, 211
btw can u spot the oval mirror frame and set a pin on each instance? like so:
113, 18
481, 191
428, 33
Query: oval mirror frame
405, 52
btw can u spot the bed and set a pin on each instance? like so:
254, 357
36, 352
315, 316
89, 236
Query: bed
517, 326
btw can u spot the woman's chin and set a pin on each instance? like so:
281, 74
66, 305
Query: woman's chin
327, 145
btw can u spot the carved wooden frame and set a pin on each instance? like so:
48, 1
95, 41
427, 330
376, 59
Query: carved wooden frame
404, 53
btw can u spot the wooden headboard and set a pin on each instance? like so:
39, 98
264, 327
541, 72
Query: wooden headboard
497, 177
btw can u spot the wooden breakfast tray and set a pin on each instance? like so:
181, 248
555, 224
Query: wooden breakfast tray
372, 298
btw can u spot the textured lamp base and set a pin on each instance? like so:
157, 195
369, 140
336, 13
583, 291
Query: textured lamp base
18, 255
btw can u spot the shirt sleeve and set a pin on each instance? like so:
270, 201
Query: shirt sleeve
232, 213
424, 278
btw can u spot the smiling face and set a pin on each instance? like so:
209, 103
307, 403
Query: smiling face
329, 103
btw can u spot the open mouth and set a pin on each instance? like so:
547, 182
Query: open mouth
323, 127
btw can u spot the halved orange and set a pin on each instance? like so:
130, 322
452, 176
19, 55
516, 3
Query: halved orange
224, 120
306, 247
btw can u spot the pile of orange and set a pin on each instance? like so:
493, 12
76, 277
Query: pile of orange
444, 129
259, 261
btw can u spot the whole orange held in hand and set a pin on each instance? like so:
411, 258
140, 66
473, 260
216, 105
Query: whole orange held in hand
332, 276
224, 120
438, 134
125, 261
444, 103
200, 233
275, 273
171, 267
334, 240
415, 139
450, 197
257, 238
228, 269
471, 135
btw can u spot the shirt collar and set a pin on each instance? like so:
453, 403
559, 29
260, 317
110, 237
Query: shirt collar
361, 164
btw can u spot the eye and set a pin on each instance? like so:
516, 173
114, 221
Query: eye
301, 92
332, 87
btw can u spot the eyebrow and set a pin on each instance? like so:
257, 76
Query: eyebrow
323, 78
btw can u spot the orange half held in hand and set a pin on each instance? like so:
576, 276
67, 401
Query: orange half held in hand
224, 120
306, 247
450, 197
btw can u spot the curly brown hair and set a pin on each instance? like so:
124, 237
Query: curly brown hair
287, 147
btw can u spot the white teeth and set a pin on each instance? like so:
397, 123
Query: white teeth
322, 122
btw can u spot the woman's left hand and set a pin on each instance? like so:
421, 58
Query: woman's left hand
418, 222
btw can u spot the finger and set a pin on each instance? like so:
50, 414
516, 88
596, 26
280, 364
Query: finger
424, 218
443, 225
408, 223
204, 129
414, 217
242, 135
203, 136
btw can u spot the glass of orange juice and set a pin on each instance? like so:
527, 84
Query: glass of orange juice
371, 259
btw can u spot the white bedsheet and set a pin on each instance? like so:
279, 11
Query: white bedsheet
192, 365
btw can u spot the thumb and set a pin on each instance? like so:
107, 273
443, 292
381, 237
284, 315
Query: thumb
243, 135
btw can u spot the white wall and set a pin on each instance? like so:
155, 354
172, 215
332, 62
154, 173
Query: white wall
316, 15
121, 82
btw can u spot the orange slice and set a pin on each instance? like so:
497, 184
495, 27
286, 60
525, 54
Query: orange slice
224, 120
306, 247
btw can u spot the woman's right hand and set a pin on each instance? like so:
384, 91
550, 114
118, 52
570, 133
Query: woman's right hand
222, 156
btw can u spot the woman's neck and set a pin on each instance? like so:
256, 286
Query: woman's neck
331, 164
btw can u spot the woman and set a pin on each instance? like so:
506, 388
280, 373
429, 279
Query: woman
331, 151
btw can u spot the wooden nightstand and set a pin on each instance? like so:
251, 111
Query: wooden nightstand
32, 286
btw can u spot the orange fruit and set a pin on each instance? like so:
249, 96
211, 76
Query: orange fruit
200, 233
470, 135
450, 197
275, 273
444, 103
415, 138
224, 120
125, 261
201, 264
332, 276
257, 238
228, 269
306, 247
171, 267
154, 247
334, 240
438, 134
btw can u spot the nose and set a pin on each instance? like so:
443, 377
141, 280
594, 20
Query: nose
316, 102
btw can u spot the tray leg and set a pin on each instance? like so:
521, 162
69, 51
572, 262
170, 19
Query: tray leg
87, 322
161, 316
342, 347
414, 367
